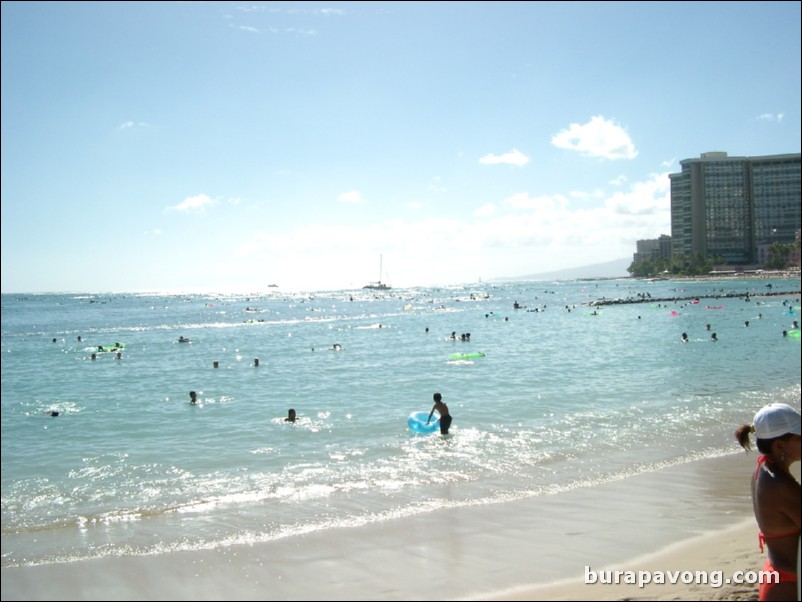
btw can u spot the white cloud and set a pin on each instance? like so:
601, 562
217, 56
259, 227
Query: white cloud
514, 157
587, 195
597, 138
275, 30
259, 242
618, 181
352, 196
778, 117
301, 32
436, 185
127, 125
193, 204
253, 8
486, 210
512, 236
643, 198
522, 200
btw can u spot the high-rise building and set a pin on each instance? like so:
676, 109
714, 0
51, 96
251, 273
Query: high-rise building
653, 248
733, 206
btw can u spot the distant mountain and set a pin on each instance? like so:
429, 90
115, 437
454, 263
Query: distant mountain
617, 268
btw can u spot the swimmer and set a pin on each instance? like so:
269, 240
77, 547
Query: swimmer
445, 417
684, 337
290, 416
256, 362
193, 397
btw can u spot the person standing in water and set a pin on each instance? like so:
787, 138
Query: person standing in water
442, 409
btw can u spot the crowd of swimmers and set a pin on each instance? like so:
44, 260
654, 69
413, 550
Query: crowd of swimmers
439, 407
714, 336
465, 337
193, 400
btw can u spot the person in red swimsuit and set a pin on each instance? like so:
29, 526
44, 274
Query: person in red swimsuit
776, 497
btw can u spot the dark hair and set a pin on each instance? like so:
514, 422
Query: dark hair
437, 397
742, 436
763, 445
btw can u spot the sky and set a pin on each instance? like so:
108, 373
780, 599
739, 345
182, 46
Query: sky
228, 146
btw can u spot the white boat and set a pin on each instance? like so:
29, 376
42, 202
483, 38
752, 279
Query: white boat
378, 285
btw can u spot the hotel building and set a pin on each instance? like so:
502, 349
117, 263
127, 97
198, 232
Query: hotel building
735, 207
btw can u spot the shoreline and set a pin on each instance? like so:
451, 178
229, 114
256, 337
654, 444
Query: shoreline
753, 275
697, 514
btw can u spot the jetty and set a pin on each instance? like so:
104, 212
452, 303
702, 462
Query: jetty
647, 299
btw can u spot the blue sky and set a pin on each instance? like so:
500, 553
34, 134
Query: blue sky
226, 146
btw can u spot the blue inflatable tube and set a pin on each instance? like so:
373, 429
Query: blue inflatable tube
417, 422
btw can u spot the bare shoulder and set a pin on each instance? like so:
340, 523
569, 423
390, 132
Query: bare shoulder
780, 501
790, 496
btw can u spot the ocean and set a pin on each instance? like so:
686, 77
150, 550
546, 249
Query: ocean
567, 395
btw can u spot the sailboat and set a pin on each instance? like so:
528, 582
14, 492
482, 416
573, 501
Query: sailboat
379, 285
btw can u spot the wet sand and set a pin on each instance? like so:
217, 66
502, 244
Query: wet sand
694, 516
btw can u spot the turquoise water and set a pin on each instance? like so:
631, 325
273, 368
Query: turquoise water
562, 398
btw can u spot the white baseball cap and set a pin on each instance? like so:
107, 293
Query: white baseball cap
776, 420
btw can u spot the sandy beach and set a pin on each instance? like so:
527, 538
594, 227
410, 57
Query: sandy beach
723, 552
694, 517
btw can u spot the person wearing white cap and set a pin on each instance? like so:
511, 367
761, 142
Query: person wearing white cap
776, 494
